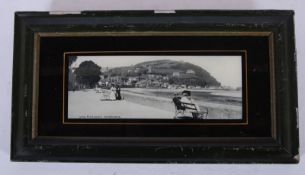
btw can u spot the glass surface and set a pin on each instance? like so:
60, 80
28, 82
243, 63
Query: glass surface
155, 87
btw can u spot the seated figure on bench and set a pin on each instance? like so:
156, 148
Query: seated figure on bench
190, 106
185, 107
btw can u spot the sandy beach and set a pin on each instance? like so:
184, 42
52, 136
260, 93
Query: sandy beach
140, 103
91, 105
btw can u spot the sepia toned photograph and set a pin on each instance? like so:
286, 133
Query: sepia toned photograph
155, 87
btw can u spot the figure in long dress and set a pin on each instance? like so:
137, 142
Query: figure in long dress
112, 95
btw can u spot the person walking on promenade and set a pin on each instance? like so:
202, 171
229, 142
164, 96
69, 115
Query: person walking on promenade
118, 92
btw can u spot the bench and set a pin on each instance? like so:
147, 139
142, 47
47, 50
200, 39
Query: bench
181, 107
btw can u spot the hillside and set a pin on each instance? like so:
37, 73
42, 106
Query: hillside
178, 72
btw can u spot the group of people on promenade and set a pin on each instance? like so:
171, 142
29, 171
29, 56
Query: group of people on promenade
115, 92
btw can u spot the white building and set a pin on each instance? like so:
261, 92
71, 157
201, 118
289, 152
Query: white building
190, 71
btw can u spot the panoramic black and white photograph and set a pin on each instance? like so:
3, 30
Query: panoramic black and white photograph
155, 87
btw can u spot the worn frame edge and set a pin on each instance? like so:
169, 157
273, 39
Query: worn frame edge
292, 154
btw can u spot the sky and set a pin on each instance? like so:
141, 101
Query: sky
226, 69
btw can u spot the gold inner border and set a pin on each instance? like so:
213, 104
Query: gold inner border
159, 123
272, 86
150, 33
35, 86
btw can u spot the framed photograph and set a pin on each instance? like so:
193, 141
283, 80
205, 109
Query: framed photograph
156, 86
147, 86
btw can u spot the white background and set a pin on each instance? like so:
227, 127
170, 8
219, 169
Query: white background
7, 9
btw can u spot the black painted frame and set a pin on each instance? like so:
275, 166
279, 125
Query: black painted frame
282, 148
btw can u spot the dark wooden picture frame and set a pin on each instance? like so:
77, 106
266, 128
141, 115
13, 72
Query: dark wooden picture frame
267, 134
